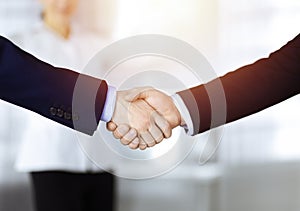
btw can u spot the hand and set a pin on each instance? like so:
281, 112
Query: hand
160, 102
144, 122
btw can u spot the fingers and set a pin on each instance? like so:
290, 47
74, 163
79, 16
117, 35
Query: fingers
147, 138
142, 145
111, 126
137, 143
134, 144
121, 131
162, 125
124, 133
129, 136
156, 133
151, 137
158, 129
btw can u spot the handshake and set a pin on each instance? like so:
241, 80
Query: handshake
143, 117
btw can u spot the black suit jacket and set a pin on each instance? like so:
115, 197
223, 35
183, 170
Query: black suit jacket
247, 90
30, 83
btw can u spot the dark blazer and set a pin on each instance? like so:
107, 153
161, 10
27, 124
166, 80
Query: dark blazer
247, 90
35, 85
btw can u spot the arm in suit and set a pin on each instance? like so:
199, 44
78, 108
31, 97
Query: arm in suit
32, 84
248, 89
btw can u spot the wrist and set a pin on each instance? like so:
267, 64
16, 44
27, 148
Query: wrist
182, 122
185, 118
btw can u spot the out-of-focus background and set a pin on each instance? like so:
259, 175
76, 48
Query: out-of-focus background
257, 166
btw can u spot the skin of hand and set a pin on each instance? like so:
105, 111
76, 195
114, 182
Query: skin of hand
160, 102
143, 123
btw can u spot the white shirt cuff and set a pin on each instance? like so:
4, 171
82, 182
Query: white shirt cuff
109, 106
185, 114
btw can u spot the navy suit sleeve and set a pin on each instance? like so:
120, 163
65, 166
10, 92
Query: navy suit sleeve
72, 99
248, 89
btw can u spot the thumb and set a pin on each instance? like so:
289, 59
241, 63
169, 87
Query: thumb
137, 93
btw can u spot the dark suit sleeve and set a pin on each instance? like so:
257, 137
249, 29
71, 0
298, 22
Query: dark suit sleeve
247, 90
49, 91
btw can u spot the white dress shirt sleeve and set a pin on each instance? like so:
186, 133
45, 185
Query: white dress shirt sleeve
109, 106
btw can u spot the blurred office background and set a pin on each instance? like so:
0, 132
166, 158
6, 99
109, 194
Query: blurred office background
257, 166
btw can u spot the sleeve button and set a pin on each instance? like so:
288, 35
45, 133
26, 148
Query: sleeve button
53, 111
67, 116
60, 113
75, 117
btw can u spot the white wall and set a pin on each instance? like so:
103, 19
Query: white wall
264, 187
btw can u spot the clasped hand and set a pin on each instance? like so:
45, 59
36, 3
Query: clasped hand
143, 117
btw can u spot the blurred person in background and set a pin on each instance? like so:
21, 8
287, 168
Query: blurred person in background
62, 176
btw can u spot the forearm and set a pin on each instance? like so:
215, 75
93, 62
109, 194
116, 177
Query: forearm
30, 83
247, 90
